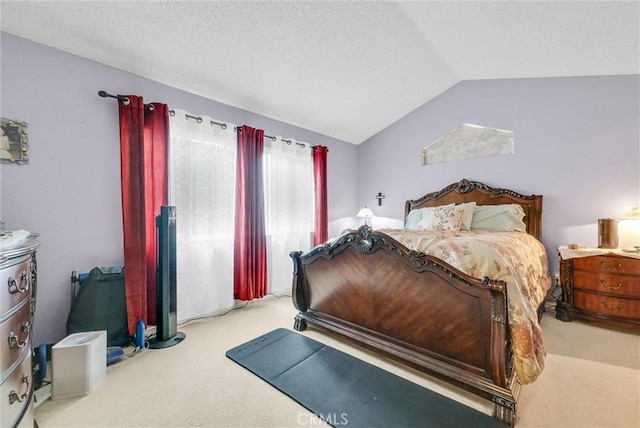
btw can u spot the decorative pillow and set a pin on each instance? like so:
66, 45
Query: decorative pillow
499, 218
467, 217
443, 218
415, 217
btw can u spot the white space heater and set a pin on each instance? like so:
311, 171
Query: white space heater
78, 364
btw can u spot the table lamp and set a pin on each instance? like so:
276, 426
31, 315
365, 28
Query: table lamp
366, 213
634, 214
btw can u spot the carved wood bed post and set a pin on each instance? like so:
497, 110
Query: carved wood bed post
504, 408
499, 329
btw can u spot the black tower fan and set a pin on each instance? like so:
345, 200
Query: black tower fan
166, 317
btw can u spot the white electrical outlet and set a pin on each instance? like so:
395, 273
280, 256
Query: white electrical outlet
556, 279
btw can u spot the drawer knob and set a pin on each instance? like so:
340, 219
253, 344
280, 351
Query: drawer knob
612, 308
15, 287
605, 284
605, 266
13, 338
13, 395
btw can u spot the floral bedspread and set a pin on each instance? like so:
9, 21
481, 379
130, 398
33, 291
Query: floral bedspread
517, 258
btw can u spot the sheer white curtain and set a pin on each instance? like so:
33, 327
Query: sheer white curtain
202, 161
288, 207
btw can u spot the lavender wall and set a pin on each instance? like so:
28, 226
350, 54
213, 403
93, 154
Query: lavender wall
70, 190
577, 143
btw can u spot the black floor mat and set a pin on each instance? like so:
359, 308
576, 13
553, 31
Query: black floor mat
346, 391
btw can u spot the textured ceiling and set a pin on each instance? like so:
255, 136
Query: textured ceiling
344, 69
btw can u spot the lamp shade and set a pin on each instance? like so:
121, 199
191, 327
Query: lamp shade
365, 212
634, 214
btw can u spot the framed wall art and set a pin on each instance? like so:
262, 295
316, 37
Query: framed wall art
14, 141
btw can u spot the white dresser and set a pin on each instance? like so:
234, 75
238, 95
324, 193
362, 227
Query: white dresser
18, 274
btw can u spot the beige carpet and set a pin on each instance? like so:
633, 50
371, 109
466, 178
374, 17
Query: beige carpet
591, 379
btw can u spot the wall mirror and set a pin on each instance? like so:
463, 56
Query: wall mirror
468, 141
14, 142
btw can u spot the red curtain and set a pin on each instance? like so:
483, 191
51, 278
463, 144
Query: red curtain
321, 223
144, 133
250, 249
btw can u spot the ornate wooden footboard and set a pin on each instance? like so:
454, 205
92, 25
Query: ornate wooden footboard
416, 308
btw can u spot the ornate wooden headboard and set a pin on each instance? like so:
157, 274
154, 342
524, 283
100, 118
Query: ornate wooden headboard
474, 191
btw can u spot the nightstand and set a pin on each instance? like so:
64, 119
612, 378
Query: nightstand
600, 285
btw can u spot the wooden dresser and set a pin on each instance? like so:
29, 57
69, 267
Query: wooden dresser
603, 286
17, 307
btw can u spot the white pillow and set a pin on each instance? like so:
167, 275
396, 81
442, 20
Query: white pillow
499, 218
443, 218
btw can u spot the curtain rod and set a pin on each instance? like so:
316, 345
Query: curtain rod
125, 100
198, 119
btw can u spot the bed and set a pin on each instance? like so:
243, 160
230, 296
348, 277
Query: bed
422, 311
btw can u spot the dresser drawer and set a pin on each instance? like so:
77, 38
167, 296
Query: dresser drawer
606, 305
15, 283
15, 336
619, 285
16, 393
609, 265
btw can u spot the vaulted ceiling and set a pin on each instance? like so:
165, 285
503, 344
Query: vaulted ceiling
346, 69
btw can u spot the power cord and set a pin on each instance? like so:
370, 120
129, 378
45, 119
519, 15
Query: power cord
137, 350
554, 295
186, 323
